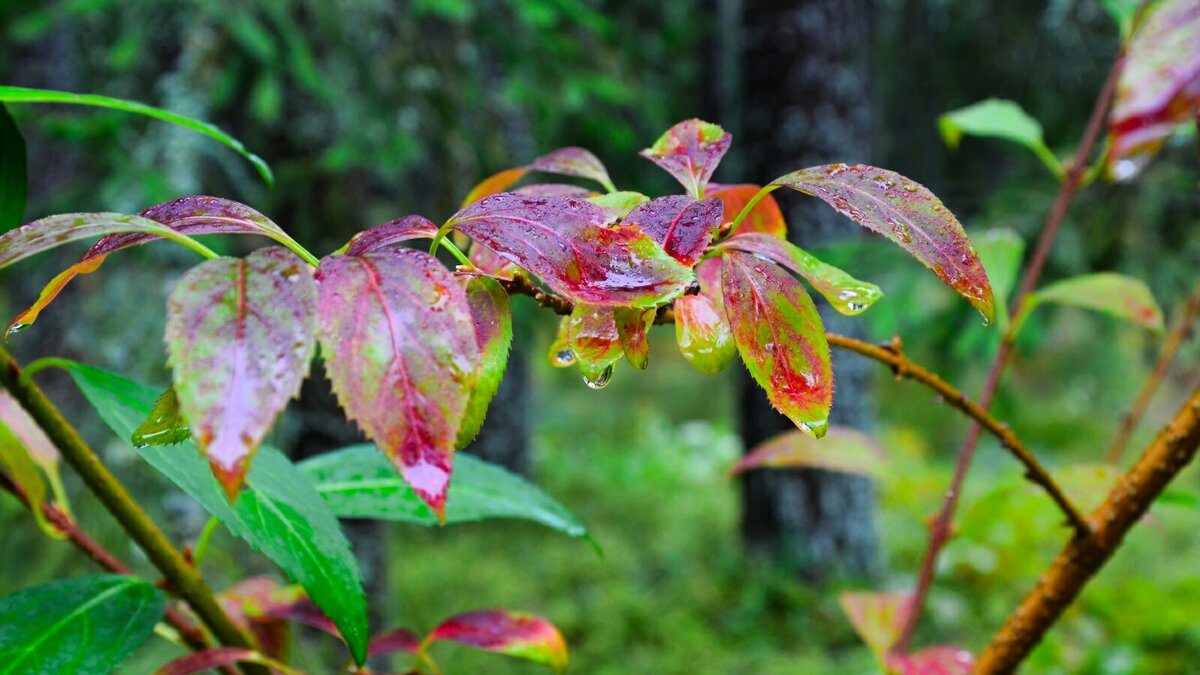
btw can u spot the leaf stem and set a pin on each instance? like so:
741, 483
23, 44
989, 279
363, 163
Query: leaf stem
187, 241
299, 250
182, 578
766, 190
201, 547
457, 252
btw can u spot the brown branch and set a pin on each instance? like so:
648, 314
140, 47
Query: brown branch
193, 636
939, 531
1175, 340
1081, 558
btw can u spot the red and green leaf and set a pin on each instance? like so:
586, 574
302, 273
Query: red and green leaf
17, 462
53, 231
595, 341
190, 216
690, 151
847, 294
619, 204
394, 640
25, 448
703, 333
259, 606
878, 618
940, 660
780, 337
391, 233
681, 225
560, 354
572, 246
907, 213
572, 161
216, 657
1159, 87
240, 339
492, 316
399, 345
516, 634
633, 325
843, 449
765, 217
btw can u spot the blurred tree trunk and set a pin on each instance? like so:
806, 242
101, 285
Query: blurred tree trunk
801, 73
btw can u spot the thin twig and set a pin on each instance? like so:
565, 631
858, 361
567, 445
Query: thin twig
939, 531
1175, 340
1173, 449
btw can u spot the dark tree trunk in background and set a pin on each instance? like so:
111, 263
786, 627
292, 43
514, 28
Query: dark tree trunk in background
804, 94
504, 438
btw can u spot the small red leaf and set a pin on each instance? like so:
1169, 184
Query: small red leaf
633, 325
781, 339
765, 217
690, 151
399, 345
491, 314
703, 334
554, 190
843, 449
391, 233
215, 657
682, 225
941, 660
847, 294
498, 182
1159, 86
516, 634
878, 618
394, 640
595, 342
259, 605
240, 338
907, 213
570, 245
577, 162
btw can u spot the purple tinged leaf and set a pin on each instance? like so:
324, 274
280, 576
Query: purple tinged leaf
595, 342
391, 233
907, 213
491, 264
40, 447
847, 294
554, 190
394, 640
878, 618
940, 660
703, 333
25, 448
683, 226
572, 246
215, 657
18, 464
240, 339
53, 231
513, 633
1159, 86
560, 353
843, 449
257, 605
492, 316
399, 345
577, 162
690, 151
633, 326
780, 337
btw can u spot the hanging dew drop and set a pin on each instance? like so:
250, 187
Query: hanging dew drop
816, 428
15, 328
600, 381
564, 358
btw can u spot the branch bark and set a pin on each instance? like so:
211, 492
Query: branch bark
1171, 451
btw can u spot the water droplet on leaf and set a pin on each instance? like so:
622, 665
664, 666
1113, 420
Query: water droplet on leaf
564, 358
816, 429
600, 381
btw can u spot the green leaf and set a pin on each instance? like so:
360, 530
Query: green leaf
359, 482
13, 181
84, 625
165, 424
619, 203
595, 342
279, 514
16, 460
1123, 13
491, 313
1000, 251
24, 95
1121, 296
998, 118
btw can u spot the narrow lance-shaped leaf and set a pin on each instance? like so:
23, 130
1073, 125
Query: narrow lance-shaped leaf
1121, 296
680, 224
703, 334
633, 327
240, 338
780, 337
25, 95
82, 625
13, 179
847, 294
358, 482
569, 244
391, 233
764, 217
280, 514
843, 449
54, 231
878, 618
595, 342
516, 634
400, 348
1159, 87
940, 660
492, 316
1002, 119
690, 151
188, 216
905, 212
165, 425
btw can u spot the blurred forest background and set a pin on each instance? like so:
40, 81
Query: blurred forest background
372, 109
